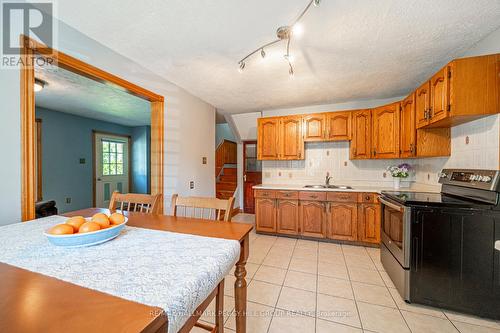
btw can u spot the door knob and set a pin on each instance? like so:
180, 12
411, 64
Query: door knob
99, 179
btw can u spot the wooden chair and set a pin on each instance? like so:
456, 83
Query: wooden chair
202, 207
211, 209
134, 202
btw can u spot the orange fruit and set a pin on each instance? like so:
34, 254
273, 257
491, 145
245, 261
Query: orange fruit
61, 229
89, 227
101, 219
117, 218
76, 222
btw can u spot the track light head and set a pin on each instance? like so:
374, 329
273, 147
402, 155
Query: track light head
242, 67
291, 72
317, 2
262, 53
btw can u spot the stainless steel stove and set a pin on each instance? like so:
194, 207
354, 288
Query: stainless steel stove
439, 248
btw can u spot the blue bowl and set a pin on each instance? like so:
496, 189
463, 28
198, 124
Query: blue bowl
88, 238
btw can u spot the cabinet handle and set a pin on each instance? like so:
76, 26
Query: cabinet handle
411, 148
430, 112
314, 196
374, 152
355, 152
367, 198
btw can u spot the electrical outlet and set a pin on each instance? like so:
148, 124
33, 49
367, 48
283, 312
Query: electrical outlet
68, 200
384, 175
345, 163
204, 160
327, 153
191, 185
82, 161
467, 140
279, 174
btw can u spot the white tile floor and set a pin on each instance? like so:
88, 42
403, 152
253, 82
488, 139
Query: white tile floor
307, 286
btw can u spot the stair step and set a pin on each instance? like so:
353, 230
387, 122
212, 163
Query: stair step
225, 186
228, 178
230, 171
224, 194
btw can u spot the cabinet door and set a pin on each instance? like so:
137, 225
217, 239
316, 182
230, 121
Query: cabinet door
342, 221
439, 95
291, 142
268, 131
369, 223
385, 137
265, 215
361, 134
312, 219
338, 126
423, 104
408, 132
314, 127
287, 217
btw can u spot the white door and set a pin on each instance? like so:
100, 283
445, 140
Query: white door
112, 169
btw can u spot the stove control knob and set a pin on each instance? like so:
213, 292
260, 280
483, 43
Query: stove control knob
479, 178
442, 175
472, 177
486, 179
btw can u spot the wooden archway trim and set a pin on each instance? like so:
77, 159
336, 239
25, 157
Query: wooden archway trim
60, 59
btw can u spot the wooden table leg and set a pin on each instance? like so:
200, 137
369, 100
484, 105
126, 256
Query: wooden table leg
240, 287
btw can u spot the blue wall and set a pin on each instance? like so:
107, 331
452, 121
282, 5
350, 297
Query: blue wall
65, 140
223, 131
141, 159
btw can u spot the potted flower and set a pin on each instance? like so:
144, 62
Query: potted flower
398, 172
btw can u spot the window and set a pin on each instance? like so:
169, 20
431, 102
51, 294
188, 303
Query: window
112, 158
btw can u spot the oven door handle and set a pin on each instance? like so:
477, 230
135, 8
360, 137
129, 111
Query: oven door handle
392, 205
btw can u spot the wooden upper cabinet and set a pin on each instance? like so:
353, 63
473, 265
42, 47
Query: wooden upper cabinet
314, 127
338, 126
343, 221
291, 142
408, 133
422, 104
287, 214
267, 134
385, 138
361, 134
440, 92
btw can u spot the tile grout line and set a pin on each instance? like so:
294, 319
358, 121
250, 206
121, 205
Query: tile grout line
392, 297
352, 289
279, 294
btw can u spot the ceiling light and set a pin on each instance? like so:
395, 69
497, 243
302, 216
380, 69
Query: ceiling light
284, 33
242, 66
39, 85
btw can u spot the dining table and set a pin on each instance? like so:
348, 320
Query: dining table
34, 302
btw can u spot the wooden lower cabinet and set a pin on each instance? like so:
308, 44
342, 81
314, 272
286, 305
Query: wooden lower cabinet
343, 221
340, 216
313, 219
287, 214
265, 215
369, 223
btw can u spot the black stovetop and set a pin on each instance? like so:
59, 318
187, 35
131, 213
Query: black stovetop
432, 199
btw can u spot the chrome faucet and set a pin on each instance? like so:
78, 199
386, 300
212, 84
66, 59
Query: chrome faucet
327, 179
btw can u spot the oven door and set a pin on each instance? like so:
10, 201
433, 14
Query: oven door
395, 231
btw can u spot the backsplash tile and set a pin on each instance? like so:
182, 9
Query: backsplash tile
481, 152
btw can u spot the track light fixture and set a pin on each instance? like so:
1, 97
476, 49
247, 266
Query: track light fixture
284, 33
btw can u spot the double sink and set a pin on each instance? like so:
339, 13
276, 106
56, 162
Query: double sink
340, 187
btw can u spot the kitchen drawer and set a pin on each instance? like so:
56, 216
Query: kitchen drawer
271, 194
368, 197
312, 196
287, 195
342, 196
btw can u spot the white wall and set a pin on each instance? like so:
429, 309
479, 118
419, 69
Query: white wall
246, 125
189, 124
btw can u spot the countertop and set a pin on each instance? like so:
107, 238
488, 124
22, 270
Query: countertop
355, 188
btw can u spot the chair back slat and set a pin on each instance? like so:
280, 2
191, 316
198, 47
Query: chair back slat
134, 202
195, 207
